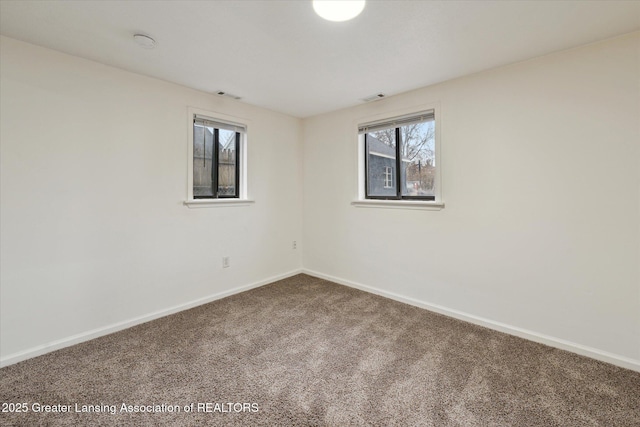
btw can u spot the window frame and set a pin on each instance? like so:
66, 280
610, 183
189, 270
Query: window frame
405, 202
241, 196
215, 166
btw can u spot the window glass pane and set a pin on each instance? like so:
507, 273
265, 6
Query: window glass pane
227, 163
381, 163
202, 161
418, 170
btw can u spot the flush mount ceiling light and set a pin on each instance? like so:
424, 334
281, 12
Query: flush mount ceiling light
144, 41
338, 10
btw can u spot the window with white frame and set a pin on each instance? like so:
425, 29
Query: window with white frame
388, 177
216, 159
400, 158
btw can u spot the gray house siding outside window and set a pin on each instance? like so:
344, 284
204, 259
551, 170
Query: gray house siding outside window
381, 166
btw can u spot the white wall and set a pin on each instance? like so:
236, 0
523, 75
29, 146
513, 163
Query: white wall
94, 172
541, 174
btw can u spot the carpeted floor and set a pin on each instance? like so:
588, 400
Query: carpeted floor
307, 352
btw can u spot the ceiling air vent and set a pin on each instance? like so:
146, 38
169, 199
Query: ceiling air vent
228, 95
374, 97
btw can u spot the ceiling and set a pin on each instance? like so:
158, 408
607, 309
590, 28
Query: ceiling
281, 56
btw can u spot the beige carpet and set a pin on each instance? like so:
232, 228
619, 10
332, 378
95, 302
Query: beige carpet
307, 352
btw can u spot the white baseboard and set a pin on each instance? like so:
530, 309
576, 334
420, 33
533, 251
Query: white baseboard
106, 330
582, 350
593, 353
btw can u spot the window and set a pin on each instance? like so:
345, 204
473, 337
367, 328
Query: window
388, 177
400, 158
216, 161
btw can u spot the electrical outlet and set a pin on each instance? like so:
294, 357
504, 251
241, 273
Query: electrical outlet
295, 245
226, 262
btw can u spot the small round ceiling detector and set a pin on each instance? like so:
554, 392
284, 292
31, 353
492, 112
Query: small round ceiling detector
144, 41
338, 10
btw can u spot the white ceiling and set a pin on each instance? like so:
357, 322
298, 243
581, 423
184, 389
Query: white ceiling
280, 55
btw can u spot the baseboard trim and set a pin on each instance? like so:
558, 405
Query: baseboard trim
572, 347
106, 330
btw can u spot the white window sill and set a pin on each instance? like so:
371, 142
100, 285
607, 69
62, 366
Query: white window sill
399, 204
217, 203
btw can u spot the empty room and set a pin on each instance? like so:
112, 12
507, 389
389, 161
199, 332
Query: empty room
320, 213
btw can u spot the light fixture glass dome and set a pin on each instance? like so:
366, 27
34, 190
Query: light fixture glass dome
338, 10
